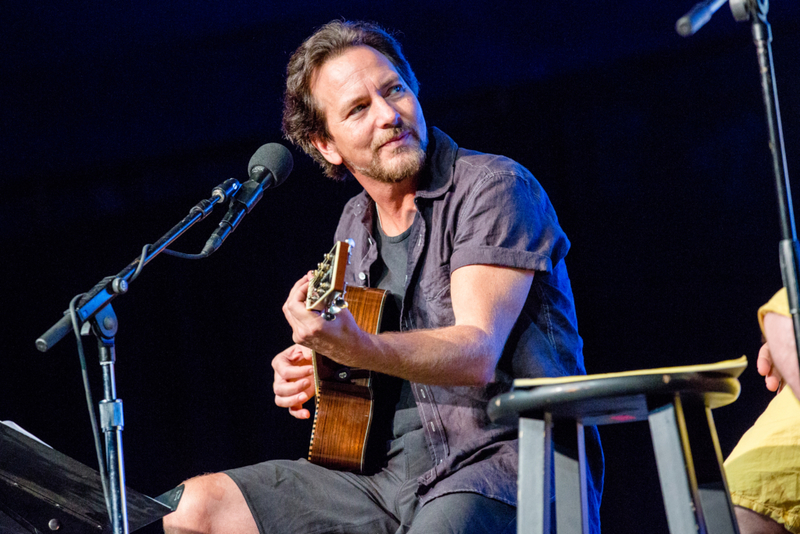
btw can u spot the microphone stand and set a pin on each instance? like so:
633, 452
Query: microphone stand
756, 12
95, 307
110, 287
788, 251
104, 326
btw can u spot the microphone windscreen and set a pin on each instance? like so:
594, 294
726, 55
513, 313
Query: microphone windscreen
274, 157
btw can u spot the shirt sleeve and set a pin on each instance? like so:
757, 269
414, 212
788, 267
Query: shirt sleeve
779, 303
508, 220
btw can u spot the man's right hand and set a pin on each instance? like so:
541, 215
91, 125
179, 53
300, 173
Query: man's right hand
294, 380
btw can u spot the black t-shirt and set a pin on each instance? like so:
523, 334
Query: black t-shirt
393, 253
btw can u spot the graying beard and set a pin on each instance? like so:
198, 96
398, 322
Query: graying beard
411, 169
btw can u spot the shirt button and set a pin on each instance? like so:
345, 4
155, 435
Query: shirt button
362, 276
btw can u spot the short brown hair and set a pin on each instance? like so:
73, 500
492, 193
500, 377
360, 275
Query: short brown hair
302, 118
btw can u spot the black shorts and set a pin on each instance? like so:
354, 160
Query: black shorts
299, 497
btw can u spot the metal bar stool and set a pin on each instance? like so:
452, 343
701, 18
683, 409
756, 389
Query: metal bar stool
677, 402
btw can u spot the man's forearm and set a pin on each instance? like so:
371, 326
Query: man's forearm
458, 355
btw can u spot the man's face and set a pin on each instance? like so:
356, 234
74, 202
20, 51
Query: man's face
374, 119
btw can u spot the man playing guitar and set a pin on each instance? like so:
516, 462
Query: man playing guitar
471, 250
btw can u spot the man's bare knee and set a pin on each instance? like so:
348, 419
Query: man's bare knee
211, 504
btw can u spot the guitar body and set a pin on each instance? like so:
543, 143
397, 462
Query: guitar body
344, 396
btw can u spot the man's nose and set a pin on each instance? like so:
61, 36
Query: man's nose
387, 115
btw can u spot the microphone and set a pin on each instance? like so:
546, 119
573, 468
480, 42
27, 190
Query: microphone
696, 18
269, 167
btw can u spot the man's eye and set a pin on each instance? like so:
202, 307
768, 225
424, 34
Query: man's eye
397, 89
357, 109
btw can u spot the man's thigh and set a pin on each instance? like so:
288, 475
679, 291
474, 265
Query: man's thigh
299, 497
465, 513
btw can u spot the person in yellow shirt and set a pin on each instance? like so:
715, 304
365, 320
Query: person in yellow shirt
763, 471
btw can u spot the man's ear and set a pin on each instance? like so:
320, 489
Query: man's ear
328, 150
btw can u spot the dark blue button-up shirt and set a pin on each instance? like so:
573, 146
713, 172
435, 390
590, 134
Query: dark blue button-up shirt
475, 208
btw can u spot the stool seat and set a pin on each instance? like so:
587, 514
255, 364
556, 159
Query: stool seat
615, 397
677, 402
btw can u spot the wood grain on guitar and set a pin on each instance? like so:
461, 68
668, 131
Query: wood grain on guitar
344, 395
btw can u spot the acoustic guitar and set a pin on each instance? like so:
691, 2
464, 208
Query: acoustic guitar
345, 406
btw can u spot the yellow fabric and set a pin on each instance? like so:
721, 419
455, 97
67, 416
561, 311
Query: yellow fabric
763, 471
779, 303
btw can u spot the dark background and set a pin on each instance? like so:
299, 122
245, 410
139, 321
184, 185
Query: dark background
117, 118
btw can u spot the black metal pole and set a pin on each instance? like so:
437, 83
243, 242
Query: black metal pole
788, 248
112, 422
756, 12
104, 326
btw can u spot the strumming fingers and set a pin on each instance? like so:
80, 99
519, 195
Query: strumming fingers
293, 374
291, 401
287, 388
299, 412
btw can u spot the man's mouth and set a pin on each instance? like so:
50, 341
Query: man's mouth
396, 140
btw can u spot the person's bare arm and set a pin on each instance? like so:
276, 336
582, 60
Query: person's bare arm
486, 303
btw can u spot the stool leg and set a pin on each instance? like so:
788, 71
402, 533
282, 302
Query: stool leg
572, 509
712, 487
535, 471
676, 486
690, 469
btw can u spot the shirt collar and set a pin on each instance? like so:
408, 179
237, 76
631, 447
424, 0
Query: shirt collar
438, 174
